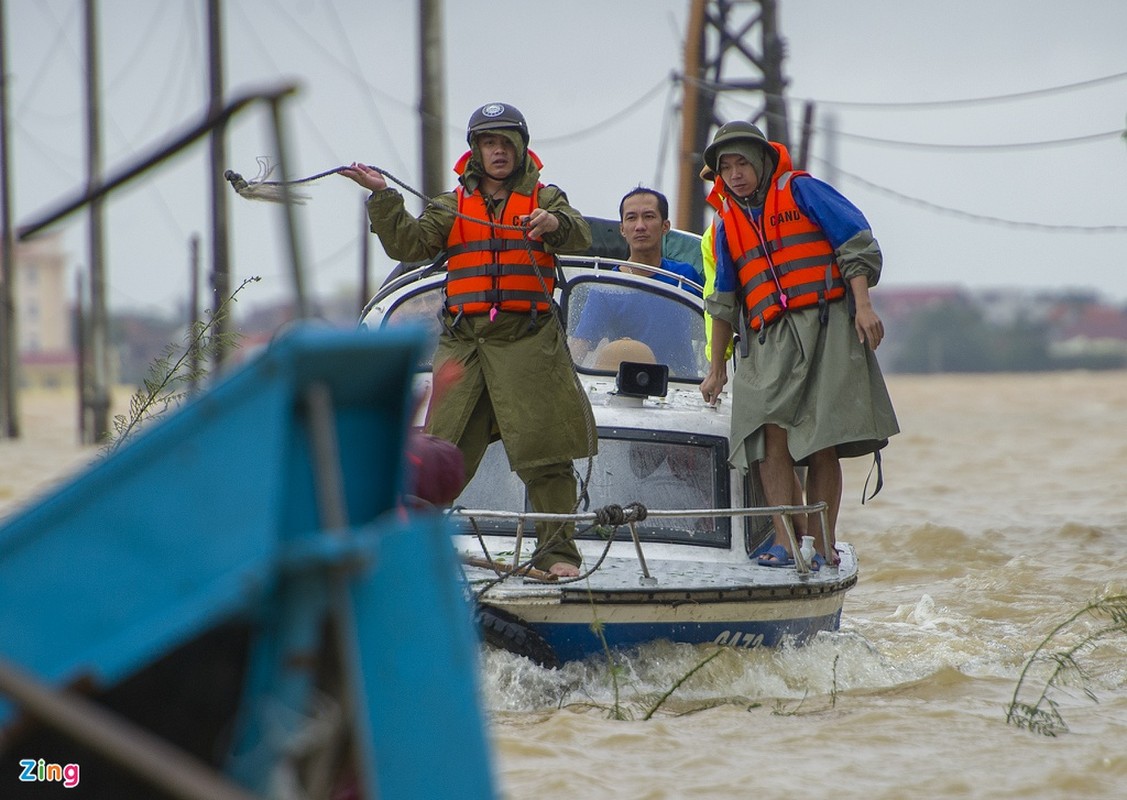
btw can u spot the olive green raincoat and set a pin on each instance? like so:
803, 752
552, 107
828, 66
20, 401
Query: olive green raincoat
817, 381
524, 367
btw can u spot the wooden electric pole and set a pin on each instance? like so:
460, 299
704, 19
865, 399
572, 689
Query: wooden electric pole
717, 30
193, 310
9, 346
99, 393
81, 360
432, 97
220, 263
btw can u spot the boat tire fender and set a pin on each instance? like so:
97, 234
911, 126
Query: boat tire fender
507, 631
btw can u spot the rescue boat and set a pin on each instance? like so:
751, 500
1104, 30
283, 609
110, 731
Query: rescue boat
670, 535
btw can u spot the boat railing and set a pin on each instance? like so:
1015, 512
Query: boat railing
415, 275
615, 516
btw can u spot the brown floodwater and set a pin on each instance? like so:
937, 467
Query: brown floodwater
1003, 513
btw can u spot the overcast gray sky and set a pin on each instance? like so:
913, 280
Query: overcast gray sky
958, 193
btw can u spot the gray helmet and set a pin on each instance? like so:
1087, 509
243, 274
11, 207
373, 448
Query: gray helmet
494, 116
728, 133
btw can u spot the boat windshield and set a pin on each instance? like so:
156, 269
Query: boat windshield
681, 471
419, 309
610, 321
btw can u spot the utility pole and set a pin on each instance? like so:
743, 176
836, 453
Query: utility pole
9, 346
719, 30
432, 96
802, 158
365, 257
220, 264
193, 311
84, 436
99, 395
696, 120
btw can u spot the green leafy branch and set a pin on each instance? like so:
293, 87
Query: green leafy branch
781, 709
1044, 715
677, 684
168, 381
615, 670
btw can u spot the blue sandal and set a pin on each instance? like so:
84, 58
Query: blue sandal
776, 556
816, 562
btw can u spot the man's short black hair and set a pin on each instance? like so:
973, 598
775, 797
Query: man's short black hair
662, 201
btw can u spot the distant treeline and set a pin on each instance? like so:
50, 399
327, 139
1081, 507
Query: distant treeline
950, 336
955, 337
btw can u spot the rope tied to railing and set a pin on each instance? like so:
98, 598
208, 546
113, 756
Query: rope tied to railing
613, 515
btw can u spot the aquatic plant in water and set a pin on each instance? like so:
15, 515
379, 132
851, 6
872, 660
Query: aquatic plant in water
1065, 668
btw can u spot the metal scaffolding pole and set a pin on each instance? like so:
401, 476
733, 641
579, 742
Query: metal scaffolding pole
737, 38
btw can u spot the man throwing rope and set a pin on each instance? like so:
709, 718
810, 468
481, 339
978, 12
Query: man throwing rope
500, 228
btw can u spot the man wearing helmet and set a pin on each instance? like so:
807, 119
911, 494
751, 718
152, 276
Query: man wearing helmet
794, 263
500, 229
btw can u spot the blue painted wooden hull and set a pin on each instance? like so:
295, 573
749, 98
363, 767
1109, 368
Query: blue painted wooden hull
220, 513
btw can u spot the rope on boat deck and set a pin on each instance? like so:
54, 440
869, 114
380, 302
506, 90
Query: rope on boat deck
614, 515
609, 516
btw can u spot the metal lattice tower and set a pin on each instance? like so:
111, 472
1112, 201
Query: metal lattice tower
723, 39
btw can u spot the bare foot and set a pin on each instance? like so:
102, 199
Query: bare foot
562, 569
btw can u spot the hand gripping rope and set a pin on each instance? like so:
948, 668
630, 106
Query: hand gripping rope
259, 188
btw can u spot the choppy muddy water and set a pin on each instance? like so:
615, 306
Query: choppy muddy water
1003, 512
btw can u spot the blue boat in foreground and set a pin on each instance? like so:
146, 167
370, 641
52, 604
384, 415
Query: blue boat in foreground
233, 602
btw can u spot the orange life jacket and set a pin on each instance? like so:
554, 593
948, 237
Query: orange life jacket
783, 259
488, 268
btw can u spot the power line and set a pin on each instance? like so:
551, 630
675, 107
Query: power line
967, 215
951, 147
972, 101
354, 71
268, 57
668, 121
175, 74
1014, 146
142, 44
61, 31
613, 118
33, 140
358, 73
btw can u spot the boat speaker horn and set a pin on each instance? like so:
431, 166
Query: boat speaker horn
642, 380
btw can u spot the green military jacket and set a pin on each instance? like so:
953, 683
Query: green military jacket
523, 367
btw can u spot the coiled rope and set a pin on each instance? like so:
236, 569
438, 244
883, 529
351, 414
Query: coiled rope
609, 516
259, 188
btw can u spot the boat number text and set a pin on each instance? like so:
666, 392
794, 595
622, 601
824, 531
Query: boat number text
739, 639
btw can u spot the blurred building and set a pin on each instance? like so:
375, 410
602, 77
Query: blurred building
43, 321
1092, 331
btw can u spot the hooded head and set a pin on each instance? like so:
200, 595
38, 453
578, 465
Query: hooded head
503, 120
745, 140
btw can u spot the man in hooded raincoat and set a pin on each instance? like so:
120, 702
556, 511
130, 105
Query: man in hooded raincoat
517, 380
794, 263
